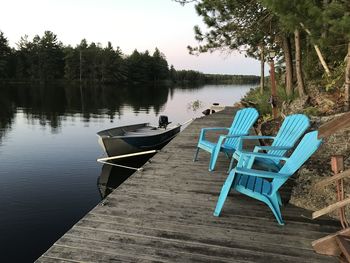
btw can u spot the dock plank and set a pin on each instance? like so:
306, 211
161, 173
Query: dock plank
164, 214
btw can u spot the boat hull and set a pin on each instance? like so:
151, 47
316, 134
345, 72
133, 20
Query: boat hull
129, 143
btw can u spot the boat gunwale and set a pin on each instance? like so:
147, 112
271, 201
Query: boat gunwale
136, 135
100, 133
141, 135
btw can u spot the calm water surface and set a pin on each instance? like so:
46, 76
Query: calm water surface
49, 177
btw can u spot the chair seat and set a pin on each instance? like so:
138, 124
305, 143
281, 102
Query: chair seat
268, 164
204, 144
210, 145
253, 184
228, 148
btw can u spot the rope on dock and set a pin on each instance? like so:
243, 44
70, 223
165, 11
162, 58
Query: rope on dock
125, 155
106, 159
122, 166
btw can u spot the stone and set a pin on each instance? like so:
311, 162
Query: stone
296, 106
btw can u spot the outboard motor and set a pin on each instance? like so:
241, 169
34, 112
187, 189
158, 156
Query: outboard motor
163, 121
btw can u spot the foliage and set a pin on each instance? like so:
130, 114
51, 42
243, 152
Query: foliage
336, 79
261, 101
195, 77
195, 105
248, 25
5, 53
41, 58
311, 111
45, 58
234, 25
144, 68
325, 23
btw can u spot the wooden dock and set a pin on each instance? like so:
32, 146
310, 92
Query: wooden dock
165, 214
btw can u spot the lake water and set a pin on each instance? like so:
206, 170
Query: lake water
49, 177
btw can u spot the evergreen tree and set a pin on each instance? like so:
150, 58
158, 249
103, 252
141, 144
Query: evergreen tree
173, 74
112, 68
159, 67
336, 17
139, 66
72, 63
241, 25
51, 57
5, 53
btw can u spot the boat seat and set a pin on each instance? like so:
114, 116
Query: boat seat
146, 132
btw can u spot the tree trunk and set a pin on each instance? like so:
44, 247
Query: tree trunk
318, 52
289, 65
347, 80
262, 72
299, 71
324, 33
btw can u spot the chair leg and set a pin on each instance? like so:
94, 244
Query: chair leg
250, 163
231, 164
279, 199
224, 192
274, 206
213, 158
196, 155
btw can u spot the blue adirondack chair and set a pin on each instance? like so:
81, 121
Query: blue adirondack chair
264, 185
293, 127
242, 122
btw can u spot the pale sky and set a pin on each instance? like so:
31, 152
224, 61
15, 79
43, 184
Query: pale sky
129, 24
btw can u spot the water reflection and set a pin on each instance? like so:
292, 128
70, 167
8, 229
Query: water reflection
7, 112
51, 103
113, 176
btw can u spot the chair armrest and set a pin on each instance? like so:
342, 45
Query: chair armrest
276, 148
223, 138
259, 173
252, 137
233, 135
256, 137
262, 155
215, 129
204, 130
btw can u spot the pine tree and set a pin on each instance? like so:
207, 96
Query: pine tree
5, 53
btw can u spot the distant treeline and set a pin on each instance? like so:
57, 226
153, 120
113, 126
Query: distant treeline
45, 58
191, 76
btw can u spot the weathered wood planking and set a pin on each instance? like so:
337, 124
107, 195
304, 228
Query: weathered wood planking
335, 125
164, 214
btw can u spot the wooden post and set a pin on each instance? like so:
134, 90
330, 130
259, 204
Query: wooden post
337, 164
327, 245
262, 69
273, 90
347, 80
344, 245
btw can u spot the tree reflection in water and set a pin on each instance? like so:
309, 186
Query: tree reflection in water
52, 103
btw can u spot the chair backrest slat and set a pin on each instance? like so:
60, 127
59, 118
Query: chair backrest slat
242, 122
291, 130
307, 146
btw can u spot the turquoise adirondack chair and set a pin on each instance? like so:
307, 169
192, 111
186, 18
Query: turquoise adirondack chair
264, 185
293, 127
242, 122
